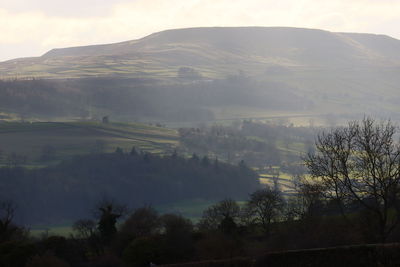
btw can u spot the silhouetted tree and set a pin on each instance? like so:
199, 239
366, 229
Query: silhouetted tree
7, 212
133, 152
266, 206
85, 228
142, 222
109, 212
307, 202
178, 241
105, 119
119, 151
213, 216
361, 163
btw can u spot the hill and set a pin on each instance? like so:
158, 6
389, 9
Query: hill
207, 74
215, 52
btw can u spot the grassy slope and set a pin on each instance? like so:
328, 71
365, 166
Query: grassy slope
340, 73
71, 138
215, 52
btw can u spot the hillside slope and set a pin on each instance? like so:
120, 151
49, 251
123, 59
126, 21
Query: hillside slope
215, 52
42, 143
203, 74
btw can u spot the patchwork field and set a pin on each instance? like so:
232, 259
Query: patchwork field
284, 182
43, 142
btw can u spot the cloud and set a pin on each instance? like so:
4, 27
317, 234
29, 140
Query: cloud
63, 8
46, 24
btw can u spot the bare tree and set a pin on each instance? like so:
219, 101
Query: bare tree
217, 213
144, 221
7, 211
307, 202
86, 228
360, 164
266, 206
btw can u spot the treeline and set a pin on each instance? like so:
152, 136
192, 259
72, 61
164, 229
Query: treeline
229, 144
351, 197
40, 98
68, 190
259, 144
178, 100
266, 222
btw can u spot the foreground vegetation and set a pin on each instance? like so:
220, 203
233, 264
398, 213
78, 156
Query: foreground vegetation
228, 234
348, 256
134, 178
31, 156
351, 197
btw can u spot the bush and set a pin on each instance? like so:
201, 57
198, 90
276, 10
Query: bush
141, 252
15, 254
46, 260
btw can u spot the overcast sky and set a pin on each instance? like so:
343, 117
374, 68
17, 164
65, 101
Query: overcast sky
32, 27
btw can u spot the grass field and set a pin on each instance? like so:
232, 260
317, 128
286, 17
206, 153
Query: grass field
56, 141
74, 138
284, 181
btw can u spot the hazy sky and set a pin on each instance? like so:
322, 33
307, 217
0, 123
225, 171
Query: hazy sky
32, 27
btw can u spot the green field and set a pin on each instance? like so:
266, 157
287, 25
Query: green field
76, 138
61, 140
284, 181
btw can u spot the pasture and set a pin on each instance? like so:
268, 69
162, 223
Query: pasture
41, 143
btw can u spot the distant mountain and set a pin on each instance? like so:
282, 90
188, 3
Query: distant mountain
202, 74
214, 52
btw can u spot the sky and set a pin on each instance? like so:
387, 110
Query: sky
32, 27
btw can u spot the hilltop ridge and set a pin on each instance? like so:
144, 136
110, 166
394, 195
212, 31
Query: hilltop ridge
203, 74
215, 52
